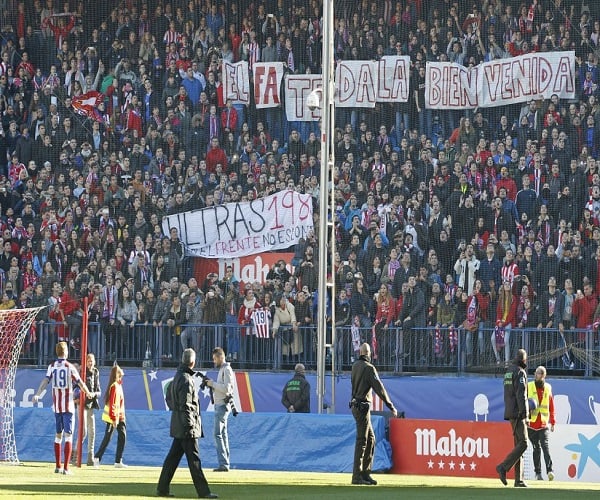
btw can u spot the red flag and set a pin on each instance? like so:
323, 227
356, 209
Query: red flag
374, 343
87, 104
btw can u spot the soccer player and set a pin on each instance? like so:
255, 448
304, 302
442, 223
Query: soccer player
62, 375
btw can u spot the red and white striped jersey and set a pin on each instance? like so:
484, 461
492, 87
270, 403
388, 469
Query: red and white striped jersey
261, 322
61, 375
509, 272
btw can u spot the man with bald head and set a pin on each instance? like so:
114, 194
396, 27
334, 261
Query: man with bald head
364, 378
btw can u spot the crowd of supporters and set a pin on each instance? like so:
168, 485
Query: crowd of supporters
435, 207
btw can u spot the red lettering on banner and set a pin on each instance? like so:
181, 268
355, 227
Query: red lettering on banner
266, 89
506, 79
564, 77
259, 73
299, 88
492, 79
346, 83
522, 76
448, 448
287, 201
383, 90
234, 77
276, 212
452, 86
271, 89
434, 85
366, 85
305, 209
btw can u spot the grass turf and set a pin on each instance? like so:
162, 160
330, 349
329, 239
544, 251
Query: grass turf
38, 480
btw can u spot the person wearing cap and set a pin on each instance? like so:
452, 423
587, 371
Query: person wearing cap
296, 392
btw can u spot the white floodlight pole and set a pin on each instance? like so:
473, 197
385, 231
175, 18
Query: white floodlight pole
327, 113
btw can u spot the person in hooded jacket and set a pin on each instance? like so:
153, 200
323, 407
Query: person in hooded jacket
186, 428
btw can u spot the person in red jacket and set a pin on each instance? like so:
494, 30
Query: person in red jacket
507, 183
214, 156
541, 420
584, 306
506, 311
114, 416
61, 30
229, 118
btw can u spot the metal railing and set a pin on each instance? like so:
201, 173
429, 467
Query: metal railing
452, 350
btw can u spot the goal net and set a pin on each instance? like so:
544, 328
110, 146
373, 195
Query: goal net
15, 324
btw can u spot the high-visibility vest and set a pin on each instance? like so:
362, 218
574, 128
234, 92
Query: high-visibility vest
543, 407
118, 401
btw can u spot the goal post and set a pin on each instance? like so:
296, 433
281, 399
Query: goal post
14, 327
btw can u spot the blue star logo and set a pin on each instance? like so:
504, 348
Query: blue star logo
587, 449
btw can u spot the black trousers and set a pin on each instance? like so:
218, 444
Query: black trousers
178, 448
515, 457
365, 444
539, 441
121, 440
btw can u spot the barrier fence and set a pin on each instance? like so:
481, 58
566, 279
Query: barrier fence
394, 350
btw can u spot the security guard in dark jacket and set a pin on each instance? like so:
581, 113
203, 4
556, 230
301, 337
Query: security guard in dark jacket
516, 410
365, 378
296, 393
186, 428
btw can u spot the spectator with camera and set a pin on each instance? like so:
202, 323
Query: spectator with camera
223, 396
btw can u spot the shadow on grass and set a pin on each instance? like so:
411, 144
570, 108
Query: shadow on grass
68, 487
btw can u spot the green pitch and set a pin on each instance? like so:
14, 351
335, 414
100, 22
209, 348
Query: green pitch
37, 480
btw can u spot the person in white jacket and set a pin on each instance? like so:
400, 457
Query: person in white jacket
465, 267
223, 400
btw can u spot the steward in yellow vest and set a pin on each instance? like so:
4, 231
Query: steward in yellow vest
541, 422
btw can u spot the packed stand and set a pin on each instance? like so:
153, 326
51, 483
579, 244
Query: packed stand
473, 223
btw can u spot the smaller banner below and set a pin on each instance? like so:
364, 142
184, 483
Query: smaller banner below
448, 447
238, 229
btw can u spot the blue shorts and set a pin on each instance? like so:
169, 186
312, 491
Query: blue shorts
64, 422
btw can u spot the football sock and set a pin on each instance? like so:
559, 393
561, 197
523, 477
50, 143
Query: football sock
57, 454
68, 448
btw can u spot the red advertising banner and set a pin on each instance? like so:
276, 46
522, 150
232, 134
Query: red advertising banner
449, 447
247, 269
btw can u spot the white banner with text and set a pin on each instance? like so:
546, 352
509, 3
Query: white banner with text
538, 75
238, 229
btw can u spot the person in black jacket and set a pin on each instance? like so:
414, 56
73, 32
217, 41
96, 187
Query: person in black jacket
516, 410
186, 428
92, 380
296, 393
364, 378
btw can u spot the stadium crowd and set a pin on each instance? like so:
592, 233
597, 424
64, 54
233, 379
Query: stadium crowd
442, 217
